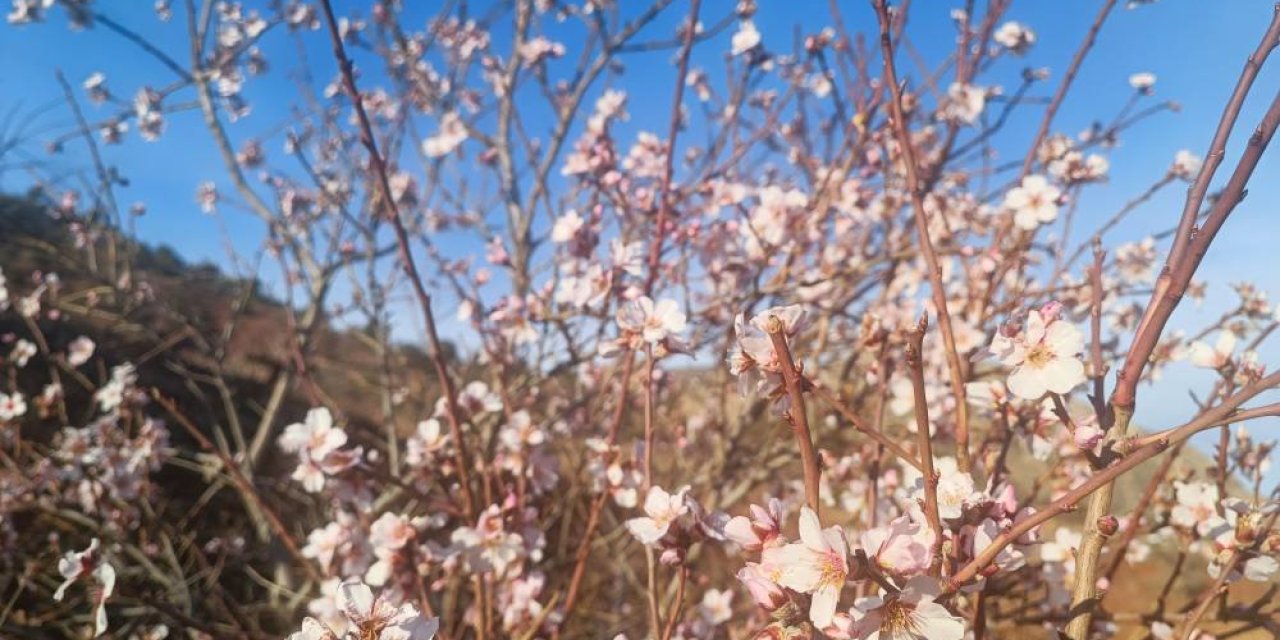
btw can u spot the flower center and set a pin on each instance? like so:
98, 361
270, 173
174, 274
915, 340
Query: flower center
833, 569
897, 618
1039, 356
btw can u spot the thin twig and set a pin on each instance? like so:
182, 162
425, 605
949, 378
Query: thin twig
907, 151
797, 415
915, 369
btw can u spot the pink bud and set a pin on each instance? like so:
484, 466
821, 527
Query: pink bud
1108, 525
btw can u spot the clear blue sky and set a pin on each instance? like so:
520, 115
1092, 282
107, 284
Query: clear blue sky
1195, 47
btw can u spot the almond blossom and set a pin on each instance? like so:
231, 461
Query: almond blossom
1014, 37
956, 489
1034, 202
752, 356
79, 351
762, 583
760, 530
901, 548
1216, 356
488, 547
662, 511
1143, 81
75, 565
652, 322
816, 565
910, 614
371, 618
964, 103
1186, 165
12, 406
452, 133
1043, 356
318, 446
745, 38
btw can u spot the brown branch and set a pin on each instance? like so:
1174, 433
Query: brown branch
1227, 411
378, 169
797, 415
915, 370
914, 186
593, 518
1217, 147
845, 412
1175, 276
1134, 525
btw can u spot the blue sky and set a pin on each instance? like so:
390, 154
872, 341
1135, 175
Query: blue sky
1196, 49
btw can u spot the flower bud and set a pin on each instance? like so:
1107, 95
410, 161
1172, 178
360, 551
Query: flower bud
1108, 525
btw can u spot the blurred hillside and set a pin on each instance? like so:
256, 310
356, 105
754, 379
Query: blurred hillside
182, 320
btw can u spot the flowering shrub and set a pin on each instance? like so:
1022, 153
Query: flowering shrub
544, 364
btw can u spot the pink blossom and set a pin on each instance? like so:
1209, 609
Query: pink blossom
817, 565
901, 548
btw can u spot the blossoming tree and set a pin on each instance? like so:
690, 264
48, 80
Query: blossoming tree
822, 355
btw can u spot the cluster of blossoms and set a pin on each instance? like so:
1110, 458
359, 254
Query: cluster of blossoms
505, 479
319, 447
753, 358
893, 560
367, 616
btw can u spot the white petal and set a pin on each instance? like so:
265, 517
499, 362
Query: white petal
823, 607
355, 599
1065, 339
811, 529
1063, 374
1026, 383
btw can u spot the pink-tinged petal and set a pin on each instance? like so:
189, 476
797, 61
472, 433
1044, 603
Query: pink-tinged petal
320, 419
312, 629
62, 589
934, 622
738, 529
800, 566
408, 624
1261, 568
295, 437
105, 574
657, 501
310, 476
834, 540
1226, 344
1034, 331
873, 539
1202, 355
